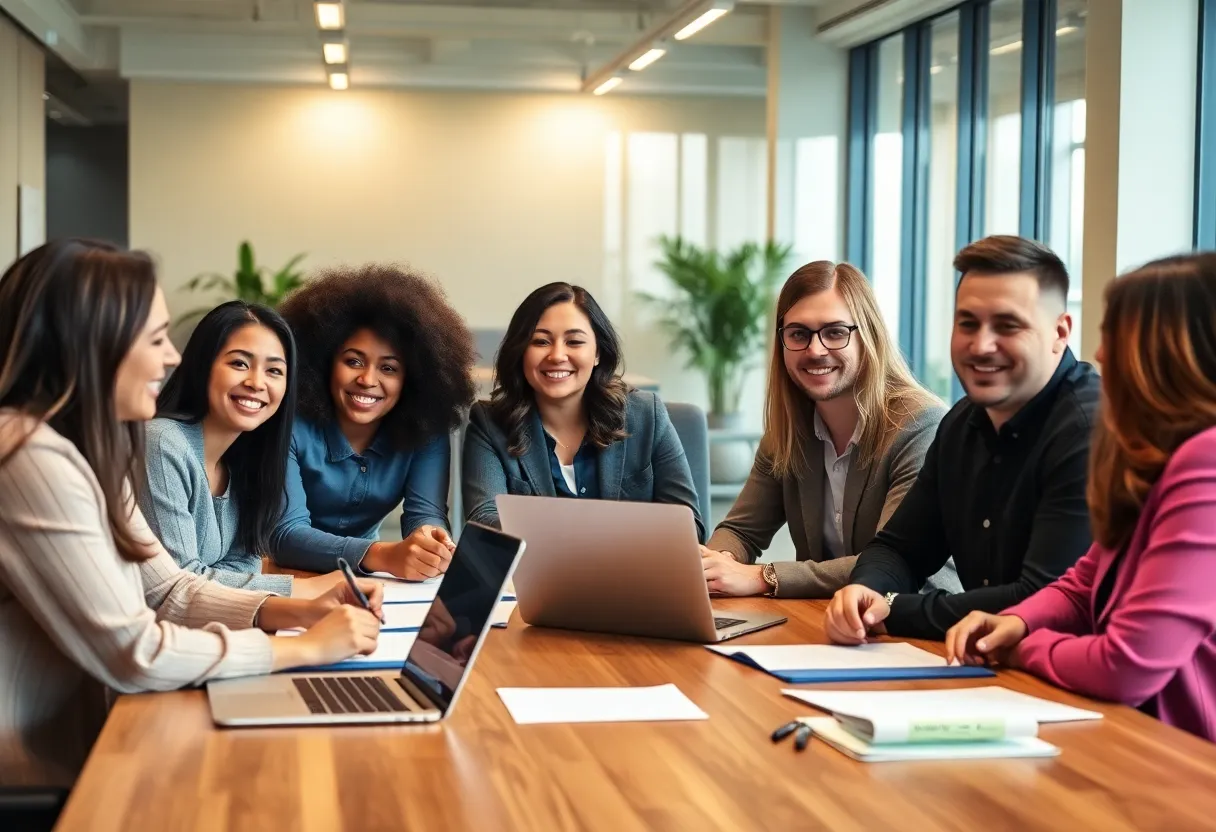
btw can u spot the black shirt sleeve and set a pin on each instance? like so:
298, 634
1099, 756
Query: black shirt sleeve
912, 546
1059, 537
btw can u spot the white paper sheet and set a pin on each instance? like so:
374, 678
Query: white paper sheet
530, 706
398, 616
391, 647
989, 700
502, 613
834, 657
401, 592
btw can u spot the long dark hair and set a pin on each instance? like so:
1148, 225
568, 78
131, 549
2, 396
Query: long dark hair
513, 399
408, 311
70, 311
257, 460
1158, 384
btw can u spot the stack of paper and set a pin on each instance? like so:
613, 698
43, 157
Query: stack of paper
798, 663
881, 726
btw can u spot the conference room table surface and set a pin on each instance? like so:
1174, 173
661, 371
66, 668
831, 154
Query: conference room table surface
160, 763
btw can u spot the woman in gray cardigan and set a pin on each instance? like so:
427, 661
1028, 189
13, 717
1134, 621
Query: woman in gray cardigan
846, 430
217, 451
561, 422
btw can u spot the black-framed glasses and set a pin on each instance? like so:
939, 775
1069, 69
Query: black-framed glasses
796, 338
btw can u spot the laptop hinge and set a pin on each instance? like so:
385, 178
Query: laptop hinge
414, 698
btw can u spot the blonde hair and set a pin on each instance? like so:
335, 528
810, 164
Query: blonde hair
887, 394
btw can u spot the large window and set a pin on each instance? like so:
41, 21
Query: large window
975, 118
886, 176
943, 186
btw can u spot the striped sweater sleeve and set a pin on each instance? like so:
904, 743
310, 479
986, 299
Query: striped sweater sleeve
133, 626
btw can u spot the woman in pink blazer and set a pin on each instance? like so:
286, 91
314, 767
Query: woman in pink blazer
1135, 620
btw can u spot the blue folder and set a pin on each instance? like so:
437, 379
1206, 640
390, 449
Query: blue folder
867, 674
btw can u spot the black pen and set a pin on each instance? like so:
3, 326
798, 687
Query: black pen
785, 730
354, 587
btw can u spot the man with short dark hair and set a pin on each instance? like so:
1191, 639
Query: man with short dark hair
1002, 490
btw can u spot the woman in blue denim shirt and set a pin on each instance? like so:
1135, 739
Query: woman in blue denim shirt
385, 374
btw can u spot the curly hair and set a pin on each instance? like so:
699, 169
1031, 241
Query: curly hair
512, 400
409, 311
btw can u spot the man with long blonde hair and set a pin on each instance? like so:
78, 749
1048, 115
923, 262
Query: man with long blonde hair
846, 429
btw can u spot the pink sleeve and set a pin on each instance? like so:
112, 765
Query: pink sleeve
1062, 606
1169, 609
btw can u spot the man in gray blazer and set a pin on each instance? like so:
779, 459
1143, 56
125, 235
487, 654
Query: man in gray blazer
846, 430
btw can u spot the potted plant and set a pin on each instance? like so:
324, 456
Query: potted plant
720, 318
247, 283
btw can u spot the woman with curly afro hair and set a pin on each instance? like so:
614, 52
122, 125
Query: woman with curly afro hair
561, 421
385, 375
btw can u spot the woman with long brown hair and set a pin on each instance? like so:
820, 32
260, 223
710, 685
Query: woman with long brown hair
88, 597
1133, 621
846, 428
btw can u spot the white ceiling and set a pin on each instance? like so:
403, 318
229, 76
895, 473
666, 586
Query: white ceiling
545, 45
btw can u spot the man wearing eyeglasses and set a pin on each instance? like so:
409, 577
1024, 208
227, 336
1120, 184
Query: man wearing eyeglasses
846, 429
1002, 490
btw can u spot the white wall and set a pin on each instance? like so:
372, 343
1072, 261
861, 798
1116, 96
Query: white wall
22, 131
493, 194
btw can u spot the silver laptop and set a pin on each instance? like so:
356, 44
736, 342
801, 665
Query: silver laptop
616, 567
426, 687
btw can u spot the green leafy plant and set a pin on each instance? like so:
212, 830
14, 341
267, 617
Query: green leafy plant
720, 315
248, 283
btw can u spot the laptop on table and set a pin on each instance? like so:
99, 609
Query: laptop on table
425, 689
616, 567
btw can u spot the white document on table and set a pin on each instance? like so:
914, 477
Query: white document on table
529, 706
885, 654
502, 613
404, 616
409, 592
989, 700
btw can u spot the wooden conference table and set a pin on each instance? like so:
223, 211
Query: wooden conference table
160, 764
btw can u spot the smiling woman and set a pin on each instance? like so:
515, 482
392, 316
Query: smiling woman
561, 421
217, 452
385, 375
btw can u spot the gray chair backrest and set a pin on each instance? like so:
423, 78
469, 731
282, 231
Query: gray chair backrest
693, 430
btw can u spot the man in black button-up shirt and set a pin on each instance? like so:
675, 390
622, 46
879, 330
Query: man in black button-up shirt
1002, 489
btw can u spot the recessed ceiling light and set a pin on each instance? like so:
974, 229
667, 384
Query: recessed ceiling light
330, 16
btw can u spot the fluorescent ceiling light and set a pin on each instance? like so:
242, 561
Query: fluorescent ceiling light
335, 52
716, 10
1066, 29
609, 85
647, 58
330, 16
339, 81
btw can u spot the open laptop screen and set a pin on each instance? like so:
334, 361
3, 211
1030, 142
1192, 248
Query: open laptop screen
456, 623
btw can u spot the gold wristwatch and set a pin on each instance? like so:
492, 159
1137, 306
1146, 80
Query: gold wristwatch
769, 573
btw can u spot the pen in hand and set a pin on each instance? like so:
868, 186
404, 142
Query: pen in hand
354, 587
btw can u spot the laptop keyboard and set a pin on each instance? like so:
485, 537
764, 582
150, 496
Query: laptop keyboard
723, 623
347, 695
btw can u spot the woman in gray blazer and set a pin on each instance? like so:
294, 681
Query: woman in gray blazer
562, 423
